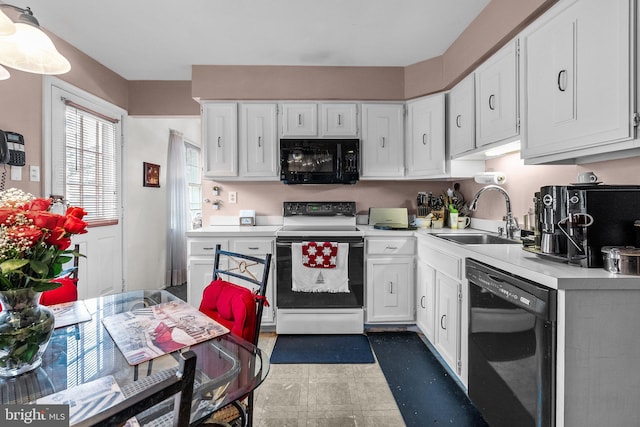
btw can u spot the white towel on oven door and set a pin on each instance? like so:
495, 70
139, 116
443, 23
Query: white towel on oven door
307, 279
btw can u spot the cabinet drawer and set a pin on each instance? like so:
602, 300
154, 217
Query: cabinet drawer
442, 262
206, 247
391, 247
253, 247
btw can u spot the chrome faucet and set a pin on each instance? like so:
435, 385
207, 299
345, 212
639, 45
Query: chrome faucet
511, 222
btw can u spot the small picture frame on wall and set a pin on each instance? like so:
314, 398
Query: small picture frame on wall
150, 175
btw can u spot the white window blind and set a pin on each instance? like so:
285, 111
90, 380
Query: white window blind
90, 163
194, 173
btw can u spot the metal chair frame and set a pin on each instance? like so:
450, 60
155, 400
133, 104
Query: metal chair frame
240, 270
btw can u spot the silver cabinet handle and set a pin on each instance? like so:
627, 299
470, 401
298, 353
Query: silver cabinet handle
390, 287
208, 249
422, 302
383, 142
339, 119
562, 80
459, 121
299, 119
253, 248
443, 324
259, 141
219, 141
393, 248
492, 102
424, 139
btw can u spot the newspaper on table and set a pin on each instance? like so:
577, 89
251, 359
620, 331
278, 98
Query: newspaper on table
89, 399
70, 313
149, 332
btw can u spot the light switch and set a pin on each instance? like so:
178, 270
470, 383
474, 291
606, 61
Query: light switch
16, 173
34, 173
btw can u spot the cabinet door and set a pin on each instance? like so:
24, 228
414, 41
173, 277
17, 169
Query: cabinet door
578, 92
299, 120
258, 140
425, 310
497, 96
259, 248
339, 120
448, 320
382, 145
461, 121
200, 274
220, 136
390, 289
426, 144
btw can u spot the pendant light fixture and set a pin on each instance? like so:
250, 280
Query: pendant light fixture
7, 27
29, 48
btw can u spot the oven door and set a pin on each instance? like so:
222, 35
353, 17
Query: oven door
287, 298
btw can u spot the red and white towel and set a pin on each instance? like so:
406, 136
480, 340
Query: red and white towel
320, 267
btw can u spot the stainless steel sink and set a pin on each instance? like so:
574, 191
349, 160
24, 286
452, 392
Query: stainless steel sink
478, 239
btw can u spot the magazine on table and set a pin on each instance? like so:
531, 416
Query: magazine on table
70, 313
89, 399
146, 333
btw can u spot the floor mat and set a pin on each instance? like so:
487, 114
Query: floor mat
322, 349
422, 388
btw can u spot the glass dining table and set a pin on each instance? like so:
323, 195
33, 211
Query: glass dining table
228, 367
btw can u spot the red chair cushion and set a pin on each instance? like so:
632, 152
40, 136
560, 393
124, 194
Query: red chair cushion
68, 292
232, 306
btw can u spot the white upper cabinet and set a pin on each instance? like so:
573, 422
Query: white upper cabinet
461, 120
425, 150
382, 145
497, 117
220, 139
299, 120
258, 140
578, 97
339, 120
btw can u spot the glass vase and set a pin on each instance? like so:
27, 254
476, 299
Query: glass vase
25, 330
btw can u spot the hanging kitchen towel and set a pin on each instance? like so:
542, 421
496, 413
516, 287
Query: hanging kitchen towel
314, 279
319, 254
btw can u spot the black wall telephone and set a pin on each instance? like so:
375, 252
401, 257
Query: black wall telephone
12, 148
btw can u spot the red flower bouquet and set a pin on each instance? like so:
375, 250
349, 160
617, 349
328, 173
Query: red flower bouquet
34, 242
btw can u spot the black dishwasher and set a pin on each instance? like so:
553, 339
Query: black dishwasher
512, 347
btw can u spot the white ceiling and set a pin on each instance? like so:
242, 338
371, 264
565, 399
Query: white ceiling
161, 40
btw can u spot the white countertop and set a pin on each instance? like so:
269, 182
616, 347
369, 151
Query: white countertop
510, 258
513, 259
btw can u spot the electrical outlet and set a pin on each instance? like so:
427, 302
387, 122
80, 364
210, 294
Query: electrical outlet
233, 197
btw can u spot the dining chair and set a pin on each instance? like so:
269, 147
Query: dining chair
179, 385
68, 290
236, 298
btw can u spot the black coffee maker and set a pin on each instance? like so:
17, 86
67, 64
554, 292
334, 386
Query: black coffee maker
552, 210
576, 221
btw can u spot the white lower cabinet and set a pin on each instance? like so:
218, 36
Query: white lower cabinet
200, 255
440, 303
390, 280
448, 320
426, 294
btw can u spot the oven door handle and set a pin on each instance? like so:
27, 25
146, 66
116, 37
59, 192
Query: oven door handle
288, 244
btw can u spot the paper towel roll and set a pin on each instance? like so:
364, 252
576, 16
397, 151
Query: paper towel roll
490, 178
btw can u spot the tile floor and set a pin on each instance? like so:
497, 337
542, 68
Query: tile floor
324, 395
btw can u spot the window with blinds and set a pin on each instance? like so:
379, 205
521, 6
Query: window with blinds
194, 172
90, 164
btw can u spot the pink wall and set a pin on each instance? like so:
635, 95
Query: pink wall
266, 197
524, 180
161, 98
277, 82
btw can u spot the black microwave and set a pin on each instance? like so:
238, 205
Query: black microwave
319, 161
